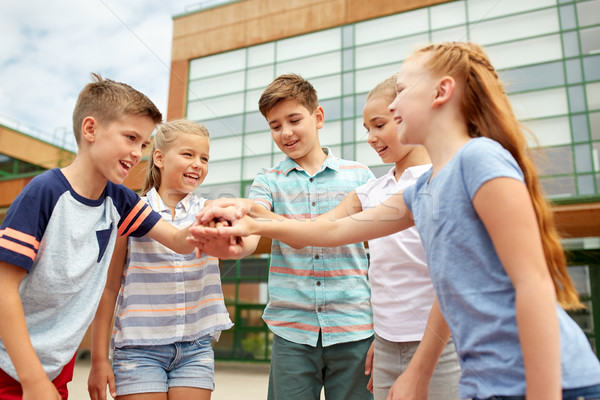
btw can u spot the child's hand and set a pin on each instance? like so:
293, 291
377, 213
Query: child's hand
101, 375
213, 209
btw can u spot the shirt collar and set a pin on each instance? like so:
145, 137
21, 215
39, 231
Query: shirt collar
410, 172
157, 203
331, 162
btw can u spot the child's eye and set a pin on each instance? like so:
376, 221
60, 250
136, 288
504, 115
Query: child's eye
204, 159
275, 127
379, 126
144, 145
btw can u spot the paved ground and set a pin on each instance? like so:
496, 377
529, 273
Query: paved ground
233, 381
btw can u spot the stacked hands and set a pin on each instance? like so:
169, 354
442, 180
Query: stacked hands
221, 225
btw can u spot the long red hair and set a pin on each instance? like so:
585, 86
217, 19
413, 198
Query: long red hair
487, 112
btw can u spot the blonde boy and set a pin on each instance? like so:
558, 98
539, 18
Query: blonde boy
319, 308
58, 236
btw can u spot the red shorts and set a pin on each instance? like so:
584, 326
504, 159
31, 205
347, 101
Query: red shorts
10, 389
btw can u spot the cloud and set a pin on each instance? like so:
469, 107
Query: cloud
48, 50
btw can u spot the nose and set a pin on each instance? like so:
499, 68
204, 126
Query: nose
371, 138
286, 131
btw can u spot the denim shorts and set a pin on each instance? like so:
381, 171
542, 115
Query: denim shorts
584, 393
150, 369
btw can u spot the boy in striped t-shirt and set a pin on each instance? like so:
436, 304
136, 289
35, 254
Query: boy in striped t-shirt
58, 236
319, 298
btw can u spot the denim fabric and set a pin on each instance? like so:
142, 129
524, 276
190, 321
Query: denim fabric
147, 369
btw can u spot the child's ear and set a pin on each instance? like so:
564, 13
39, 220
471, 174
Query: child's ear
88, 129
158, 158
320, 117
444, 90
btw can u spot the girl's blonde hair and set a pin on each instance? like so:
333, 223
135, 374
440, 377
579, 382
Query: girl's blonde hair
164, 137
487, 112
385, 90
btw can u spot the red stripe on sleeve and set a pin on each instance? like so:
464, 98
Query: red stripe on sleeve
131, 216
20, 236
18, 248
139, 221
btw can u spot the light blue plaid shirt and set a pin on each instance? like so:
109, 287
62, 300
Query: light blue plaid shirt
315, 288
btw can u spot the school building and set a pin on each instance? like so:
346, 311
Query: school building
223, 55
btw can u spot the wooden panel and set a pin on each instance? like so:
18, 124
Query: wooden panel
578, 220
178, 90
34, 151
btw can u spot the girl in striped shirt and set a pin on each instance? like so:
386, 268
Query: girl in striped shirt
169, 306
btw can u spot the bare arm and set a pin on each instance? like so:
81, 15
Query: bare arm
101, 371
506, 210
414, 382
329, 231
172, 237
15, 337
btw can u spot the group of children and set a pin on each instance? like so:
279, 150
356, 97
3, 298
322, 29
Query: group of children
462, 297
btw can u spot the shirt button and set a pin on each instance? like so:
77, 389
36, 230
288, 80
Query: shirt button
318, 309
313, 204
310, 179
318, 283
316, 256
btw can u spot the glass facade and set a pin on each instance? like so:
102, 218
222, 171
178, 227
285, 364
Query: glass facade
546, 51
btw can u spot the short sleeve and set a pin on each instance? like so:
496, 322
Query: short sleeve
26, 220
260, 191
486, 159
137, 217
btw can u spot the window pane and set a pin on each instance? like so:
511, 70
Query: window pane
328, 86
218, 64
366, 155
563, 186
214, 192
325, 64
458, 34
331, 133
224, 171
484, 9
593, 96
261, 54
348, 59
332, 108
542, 103
225, 126
348, 83
225, 148
348, 36
591, 68
576, 98
515, 27
547, 48
553, 160
348, 131
595, 125
218, 85
256, 122
312, 43
585, 184
258, 144
404, 24
448, 14
571, 44
368, 78
216, 106
590, 40
391, 51
567, 17
260, 77
533, 77
588, 12
360, 133
573, 71
583, 158
579, 127
254, 164
348, 106
549, 131
252, 98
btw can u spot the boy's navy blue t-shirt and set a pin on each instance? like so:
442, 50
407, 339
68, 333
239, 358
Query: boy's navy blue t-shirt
65, 242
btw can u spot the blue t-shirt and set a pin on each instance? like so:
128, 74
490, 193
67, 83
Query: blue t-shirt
475, 293
65, 242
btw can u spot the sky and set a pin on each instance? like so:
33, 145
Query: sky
48, 49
